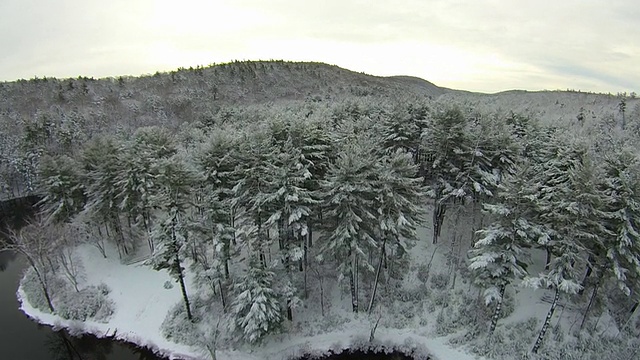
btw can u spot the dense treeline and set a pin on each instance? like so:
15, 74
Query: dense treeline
256, 203
247, 194
49, 115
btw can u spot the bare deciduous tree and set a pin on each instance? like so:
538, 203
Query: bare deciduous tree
35, 242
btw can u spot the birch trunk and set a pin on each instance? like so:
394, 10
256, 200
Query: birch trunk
375, 284
496, 312
547, 321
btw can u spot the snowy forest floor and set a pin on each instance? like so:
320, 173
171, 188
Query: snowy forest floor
434, 311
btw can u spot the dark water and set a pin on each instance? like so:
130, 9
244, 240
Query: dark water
361, 355
23, 339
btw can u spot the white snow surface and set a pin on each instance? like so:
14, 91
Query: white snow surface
142, 303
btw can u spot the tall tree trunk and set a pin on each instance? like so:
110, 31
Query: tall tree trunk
178, 269
226, 257
233, 225
321, 282
289, 311
586, 276
261, 242
184, 295
547, 261
594, 294
375, 284
438, 219
281, 235
120, 233
547, 321
147, 227
496, 312
303, 245
456, 248
306, 263
222, 298
354, 286
226, 266
474, 226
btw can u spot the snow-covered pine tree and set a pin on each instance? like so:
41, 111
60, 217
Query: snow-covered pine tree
318, 151
557, 213
309, 147
255, 310
101, 168
136, 182
401, 129
176, 182
552, 169
291, 203
446, 145
218, 159
63, 188
255, 155
399, 205
499, 257
493, 155
349, 191
588, 223
209, 244
621, 243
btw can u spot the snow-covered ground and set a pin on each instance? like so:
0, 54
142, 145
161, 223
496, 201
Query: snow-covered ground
142, 302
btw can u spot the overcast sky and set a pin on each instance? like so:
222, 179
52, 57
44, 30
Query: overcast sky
481, 45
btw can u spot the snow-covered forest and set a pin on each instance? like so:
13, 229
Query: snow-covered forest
287, 198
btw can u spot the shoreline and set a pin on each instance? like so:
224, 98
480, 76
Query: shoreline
142, 303
75, 327
386, 341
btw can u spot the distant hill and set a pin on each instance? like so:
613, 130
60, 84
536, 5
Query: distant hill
185, 94
547, 106
265, 81
190, 94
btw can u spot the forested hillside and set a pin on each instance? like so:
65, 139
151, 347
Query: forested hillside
297, 198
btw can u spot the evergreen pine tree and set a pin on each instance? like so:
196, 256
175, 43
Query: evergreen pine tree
63, 188
255, 310
498, 257
349, 193
446, 148
101, 169
398, 204
621, 243
176, 182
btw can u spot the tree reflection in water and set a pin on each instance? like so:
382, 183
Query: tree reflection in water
5, 258
62, 346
